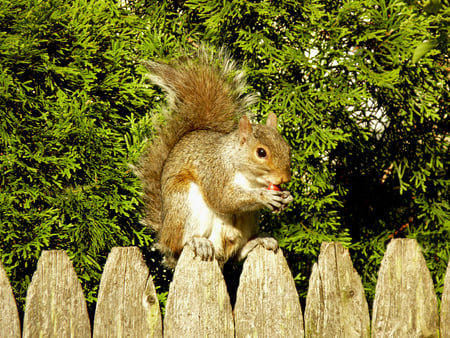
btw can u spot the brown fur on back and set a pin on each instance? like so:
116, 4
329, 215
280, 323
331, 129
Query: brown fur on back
203, 93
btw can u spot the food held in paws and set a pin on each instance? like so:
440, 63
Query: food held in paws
274, 187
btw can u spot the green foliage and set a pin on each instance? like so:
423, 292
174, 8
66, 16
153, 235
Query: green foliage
361, 88
364, 102
69, 89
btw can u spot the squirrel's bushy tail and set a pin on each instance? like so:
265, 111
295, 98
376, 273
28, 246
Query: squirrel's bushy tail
203, 92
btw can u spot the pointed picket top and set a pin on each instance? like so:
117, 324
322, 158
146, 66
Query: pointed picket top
267, 303
405, 302
127, 304
9, 320
445, 306
55, 305
198, 304
336, 305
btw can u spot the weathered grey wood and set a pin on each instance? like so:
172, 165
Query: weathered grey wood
267, 303
127, 304
336, 305
9, 318
405, 302
198, 304
445, 306
55, 305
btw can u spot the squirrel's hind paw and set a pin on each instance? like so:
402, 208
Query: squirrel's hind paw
268, 243
202, 247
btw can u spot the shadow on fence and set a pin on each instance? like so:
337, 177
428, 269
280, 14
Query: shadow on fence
267, 303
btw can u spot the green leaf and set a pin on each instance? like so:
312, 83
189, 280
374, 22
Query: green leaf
422, 49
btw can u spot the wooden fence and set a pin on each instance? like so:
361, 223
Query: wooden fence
267, 304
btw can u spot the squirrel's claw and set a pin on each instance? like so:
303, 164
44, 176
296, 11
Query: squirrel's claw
276, 200
202, 247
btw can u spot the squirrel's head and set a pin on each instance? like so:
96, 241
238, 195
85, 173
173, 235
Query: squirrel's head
267, 151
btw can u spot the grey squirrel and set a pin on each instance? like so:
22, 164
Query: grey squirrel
206, 174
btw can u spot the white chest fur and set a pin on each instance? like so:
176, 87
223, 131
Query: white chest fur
200, 222
218, 228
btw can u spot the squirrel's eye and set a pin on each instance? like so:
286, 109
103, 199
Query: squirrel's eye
261, 152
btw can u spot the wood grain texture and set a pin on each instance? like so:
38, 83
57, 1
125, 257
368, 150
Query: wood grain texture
267, 303
9, 318
55, 305
445, 306
336, 305
198, 304
127, 304
405, 302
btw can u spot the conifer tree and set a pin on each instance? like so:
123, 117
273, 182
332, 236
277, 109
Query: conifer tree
361, 88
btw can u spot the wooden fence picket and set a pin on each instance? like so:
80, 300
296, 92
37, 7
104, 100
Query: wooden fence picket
9, 319
336, 305
198, 304
405, 302
445, 306
127, 304
267, 303
55, 305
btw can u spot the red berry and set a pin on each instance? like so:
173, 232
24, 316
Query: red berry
274, 187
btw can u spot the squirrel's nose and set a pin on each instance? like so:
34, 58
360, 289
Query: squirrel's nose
285, 177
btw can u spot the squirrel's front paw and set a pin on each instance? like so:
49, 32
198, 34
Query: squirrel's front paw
202, 247
287, 198
276, 200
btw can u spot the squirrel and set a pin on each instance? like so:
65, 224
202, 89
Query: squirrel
209, 171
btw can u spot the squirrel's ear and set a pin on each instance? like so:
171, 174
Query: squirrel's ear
272, 120
245, 129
